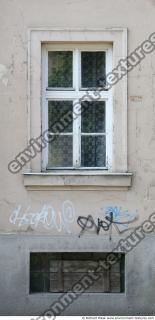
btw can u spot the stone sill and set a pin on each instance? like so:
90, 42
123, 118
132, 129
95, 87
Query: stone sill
84, 180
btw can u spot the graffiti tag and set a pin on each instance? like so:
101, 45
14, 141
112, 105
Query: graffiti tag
112, 219
46, 217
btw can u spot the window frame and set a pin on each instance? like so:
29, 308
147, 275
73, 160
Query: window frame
117, 177
75, 94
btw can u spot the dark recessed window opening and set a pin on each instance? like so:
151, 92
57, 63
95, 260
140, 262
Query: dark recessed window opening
59, 272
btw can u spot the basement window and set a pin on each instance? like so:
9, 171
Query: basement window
61, 272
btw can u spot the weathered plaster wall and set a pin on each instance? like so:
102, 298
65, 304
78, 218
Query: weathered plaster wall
16, 16
15, 300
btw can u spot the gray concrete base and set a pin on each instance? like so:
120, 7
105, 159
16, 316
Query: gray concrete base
138, 299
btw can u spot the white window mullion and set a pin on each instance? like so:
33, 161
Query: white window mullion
76, 71
44, 104
109, 114
109, 126
76, 137
60, 95
77, 119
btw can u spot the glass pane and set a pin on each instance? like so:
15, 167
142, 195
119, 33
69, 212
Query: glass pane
60, 152
39, 282
93, 117
93, 151
39, 262
60, 116
71, 279
60, 69
93, 71
56, 276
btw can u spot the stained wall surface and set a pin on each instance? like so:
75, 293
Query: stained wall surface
46, 220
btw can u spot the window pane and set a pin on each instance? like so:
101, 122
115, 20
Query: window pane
56, 275
93, 117
93, 72
72, 278
74, 270
60, 152
93, 151
39, 262
60, 69
39, 282
60, 116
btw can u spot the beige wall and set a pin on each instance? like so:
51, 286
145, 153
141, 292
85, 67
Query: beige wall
16, 16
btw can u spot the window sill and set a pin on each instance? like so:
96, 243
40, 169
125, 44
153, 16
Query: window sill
84, 180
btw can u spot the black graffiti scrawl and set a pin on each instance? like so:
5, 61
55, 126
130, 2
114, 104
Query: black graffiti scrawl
113, 218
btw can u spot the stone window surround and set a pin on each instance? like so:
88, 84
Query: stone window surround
118, 176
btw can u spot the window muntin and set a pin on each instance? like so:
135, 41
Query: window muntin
85, 152
59, 272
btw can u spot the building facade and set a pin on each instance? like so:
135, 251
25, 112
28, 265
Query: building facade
77, 218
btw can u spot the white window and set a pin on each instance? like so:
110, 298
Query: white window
77, 109
99, 149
